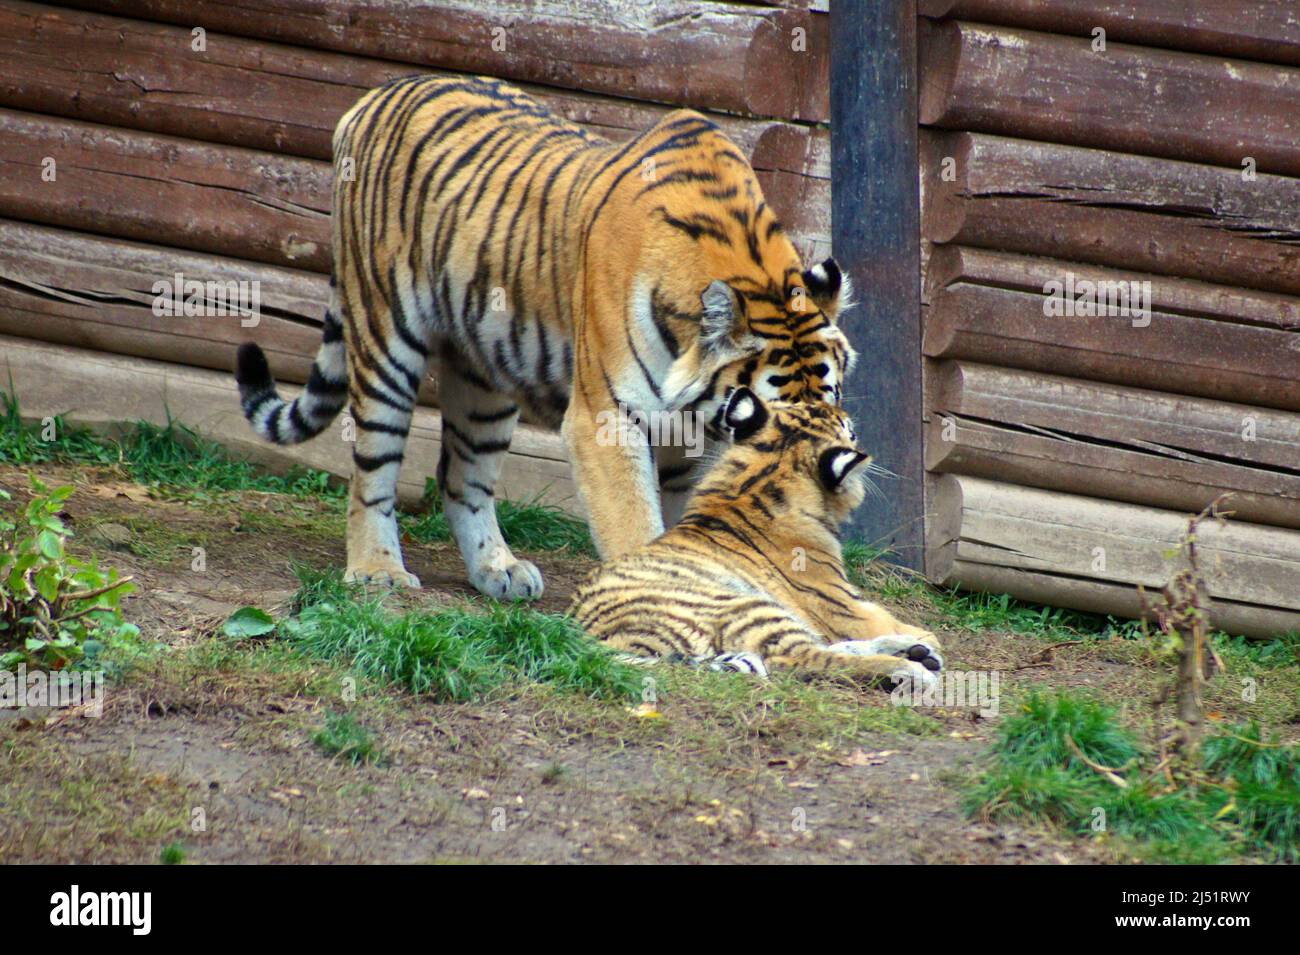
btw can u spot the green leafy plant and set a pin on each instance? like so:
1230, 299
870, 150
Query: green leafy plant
248, 622
55, 610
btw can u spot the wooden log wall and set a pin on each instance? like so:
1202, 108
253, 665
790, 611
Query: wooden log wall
130, 151
1081, 144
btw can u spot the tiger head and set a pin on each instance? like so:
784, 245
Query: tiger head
779, 340
788, 457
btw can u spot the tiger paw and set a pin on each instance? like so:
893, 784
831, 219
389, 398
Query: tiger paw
919, 650
508, 579
738, 662
385, 575
911, 676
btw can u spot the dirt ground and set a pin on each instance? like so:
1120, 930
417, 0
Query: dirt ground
209, 746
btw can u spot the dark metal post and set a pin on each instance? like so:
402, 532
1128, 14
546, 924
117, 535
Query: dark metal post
875, 232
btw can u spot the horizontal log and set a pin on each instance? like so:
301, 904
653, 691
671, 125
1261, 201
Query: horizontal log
1046, 532
1125, 98
685, 52
1114, 442
1136, 212
95, 293
1174, 353
225, 200
285, 99
1118, 600
99, 294
190, 195
952, 263
1252, 29
96, 389
1120, 414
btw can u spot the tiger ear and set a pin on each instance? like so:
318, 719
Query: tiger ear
744, 414
830, 288
718, 321
836, 464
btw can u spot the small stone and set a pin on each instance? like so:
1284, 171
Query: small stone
110, 535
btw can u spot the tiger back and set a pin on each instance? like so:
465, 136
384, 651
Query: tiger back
537, 268
753, 576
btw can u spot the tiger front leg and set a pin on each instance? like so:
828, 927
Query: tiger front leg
878, 631
477, 425
857, 659
614, 471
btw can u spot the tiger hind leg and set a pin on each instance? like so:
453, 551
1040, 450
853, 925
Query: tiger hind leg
477, 424
381, 406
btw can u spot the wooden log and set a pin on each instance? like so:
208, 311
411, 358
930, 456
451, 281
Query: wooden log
1104, 208
684, 52
94, 293
1125, 98
1121, 414
1050, 533
1114, 442
1095, 596
99, 294
284, 99
96, 389
1175, 353
224, 199
1251, 29
219, 199
952, 263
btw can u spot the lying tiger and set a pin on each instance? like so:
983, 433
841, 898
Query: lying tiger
752, 577
536, 266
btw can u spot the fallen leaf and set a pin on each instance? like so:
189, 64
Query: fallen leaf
132, 492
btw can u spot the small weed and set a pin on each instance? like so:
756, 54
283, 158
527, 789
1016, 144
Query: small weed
343, 738
172, 854
55, 610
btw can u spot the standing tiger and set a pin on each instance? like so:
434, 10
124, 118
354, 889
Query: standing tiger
547, 270
752, 577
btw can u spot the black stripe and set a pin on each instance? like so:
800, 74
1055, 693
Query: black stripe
368, 463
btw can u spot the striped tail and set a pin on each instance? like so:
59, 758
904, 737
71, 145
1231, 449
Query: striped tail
290, 422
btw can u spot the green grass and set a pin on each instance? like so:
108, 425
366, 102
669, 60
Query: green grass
171, 456
970, 611
179, 459
172, 854
343, 738
1246, 800
531, 525
452, 653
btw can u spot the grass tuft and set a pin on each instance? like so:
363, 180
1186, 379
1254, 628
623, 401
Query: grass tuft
530, 525
343, 738
1247, 799
452, 653
170, 455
